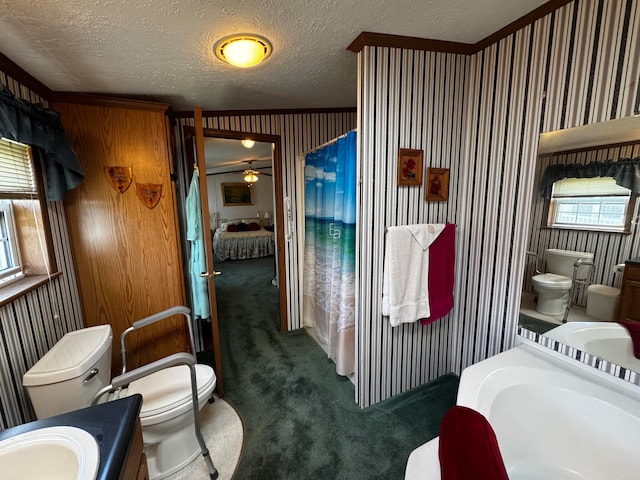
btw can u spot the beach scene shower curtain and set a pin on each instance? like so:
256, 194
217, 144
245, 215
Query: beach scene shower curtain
329, 249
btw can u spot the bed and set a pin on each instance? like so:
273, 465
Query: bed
240, 240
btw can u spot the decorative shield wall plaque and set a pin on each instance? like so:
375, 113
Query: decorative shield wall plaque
119, 177
149, 193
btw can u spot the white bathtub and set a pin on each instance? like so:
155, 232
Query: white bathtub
607, 340
553, 420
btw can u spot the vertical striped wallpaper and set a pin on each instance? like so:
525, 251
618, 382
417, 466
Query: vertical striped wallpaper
32, 324
299, 133
407, 99
609, 249
480, 116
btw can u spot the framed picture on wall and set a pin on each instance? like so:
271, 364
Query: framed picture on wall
409, 167
437, 185
236, 194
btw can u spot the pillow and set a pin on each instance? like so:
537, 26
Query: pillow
243, 227
468, 448
232, 228
253, 226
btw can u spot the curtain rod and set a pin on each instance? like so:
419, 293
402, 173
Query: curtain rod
331, 142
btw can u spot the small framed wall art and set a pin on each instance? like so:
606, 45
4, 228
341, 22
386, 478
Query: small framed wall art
437, 185
409, 167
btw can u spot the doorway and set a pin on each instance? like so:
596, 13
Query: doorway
277, 219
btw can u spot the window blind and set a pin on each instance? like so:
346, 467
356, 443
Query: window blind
588, 187
16, 175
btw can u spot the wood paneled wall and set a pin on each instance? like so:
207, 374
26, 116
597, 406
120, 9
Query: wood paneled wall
127, 256
480, 116
31, 325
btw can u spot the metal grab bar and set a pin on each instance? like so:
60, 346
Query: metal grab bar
181, 358
575, 280
535, 255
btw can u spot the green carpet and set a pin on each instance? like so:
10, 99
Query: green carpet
301, 420
535, 324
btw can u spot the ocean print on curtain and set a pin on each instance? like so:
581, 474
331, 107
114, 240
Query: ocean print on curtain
329, 249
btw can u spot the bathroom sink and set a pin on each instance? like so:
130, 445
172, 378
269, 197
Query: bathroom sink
52, 452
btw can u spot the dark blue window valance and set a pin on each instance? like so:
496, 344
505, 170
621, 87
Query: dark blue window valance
41, 127
626, 173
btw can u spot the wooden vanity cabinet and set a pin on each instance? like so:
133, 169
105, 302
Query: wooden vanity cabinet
630, 292
135, 467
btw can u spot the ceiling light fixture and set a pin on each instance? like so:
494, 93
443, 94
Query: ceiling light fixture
250, 175
248, 143
243, 51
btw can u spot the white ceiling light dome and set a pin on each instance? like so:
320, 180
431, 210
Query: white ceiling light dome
243, 50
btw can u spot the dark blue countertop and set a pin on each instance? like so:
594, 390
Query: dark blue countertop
112, 424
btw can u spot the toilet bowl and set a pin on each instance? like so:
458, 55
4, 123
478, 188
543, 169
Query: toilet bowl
602, 302
553, 293
554, 287
79, 365
166, 416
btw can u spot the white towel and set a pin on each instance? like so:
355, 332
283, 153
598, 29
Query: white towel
405, 281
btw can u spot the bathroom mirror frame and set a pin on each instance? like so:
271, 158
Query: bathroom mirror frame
612, 139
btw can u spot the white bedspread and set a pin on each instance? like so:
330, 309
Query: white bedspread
243, 245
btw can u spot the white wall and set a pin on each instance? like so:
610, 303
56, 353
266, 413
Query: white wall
263, 197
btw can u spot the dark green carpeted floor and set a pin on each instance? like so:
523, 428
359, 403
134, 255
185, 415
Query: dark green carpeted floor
301, 420
535, 324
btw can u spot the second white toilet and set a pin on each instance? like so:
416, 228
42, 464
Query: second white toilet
554, 286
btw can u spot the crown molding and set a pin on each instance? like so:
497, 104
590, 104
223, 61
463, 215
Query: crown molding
107, 101
371, 39
16, 72
284, 111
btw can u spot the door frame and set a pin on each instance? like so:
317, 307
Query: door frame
278, 195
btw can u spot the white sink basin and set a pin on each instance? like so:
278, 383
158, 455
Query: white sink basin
52, 453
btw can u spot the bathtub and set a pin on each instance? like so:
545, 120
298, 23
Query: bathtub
607, 340
553, 419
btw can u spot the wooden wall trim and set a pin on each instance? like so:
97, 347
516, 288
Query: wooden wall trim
528, 19
106, 101
372, 39
282, 111
411, 43
16, 72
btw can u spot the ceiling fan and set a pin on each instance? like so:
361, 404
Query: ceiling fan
251, 174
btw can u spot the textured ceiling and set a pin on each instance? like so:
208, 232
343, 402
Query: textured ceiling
162, 49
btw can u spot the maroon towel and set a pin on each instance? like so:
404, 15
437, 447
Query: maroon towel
468, 448
442, 262
633, 327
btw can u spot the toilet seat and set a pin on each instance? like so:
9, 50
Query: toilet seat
552, 281
167, 393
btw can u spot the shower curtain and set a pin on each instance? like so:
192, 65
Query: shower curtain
329, 249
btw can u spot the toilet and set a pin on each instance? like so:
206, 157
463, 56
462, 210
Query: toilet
69, 376
602, 302
554, 286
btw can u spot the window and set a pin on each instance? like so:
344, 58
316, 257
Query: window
24, 231
590, 204
10, 266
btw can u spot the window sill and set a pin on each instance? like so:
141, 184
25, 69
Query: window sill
23, 286
582, 229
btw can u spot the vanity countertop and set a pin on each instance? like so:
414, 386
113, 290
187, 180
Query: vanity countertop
112, 424
633, 261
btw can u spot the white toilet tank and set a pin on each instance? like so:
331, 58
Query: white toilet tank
71, 373
561, 262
